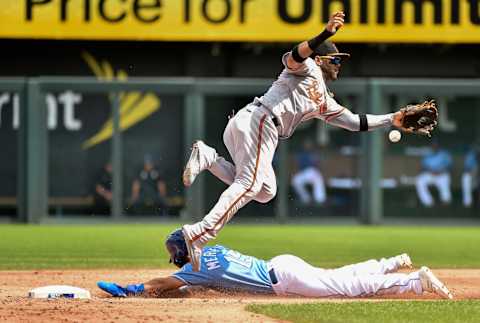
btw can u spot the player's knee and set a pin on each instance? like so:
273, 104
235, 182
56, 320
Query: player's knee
264, 198
266, 194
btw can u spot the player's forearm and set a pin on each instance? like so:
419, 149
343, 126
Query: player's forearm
366, 122
156, 284
163, 285
303, 50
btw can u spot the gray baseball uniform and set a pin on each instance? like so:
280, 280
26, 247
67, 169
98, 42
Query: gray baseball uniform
251, 138
299, 95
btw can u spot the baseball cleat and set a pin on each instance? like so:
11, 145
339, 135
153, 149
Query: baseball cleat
432, 284
404, 261
194, 249
201, 157
113, 289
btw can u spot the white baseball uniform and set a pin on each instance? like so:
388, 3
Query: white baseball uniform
251, 137
226, 269
372, 277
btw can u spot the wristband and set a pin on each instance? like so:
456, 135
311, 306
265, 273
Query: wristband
320, 38
363, 122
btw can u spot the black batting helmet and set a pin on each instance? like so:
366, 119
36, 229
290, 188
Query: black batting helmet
177, 248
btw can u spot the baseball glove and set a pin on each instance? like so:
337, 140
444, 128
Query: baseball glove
419, 118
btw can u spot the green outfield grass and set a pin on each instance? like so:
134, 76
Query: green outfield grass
375, 312
141, 246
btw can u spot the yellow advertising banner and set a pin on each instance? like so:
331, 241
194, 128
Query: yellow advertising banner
425, 21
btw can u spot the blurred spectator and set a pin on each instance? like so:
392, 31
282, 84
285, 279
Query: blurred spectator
149, 190
308, 173
103, 190
470, 174
435, 171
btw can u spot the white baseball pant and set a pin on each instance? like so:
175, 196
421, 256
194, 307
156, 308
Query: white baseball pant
312, 176
467, 188
251, 139
441, 181
372, 277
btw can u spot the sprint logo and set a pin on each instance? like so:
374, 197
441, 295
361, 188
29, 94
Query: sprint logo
135, 106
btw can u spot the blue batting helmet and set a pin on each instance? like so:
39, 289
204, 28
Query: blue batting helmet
177, 248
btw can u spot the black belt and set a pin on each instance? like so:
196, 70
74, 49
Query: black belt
274, 118
273, 277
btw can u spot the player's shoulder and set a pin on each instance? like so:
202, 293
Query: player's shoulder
310, 63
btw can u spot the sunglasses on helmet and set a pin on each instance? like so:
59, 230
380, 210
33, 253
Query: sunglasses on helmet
335, 60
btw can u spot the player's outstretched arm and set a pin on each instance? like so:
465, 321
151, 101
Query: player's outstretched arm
303, 50
419, 118
164, 286
158, 286
361, 122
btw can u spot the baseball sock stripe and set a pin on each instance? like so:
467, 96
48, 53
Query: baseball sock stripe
257, 162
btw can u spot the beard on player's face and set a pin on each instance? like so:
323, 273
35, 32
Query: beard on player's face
330, 70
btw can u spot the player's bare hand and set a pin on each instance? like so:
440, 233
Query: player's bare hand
335, 22
397, 119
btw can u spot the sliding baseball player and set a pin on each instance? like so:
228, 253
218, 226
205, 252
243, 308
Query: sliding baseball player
227, 270
251, 136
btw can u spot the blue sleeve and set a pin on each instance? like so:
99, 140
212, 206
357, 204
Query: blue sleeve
470, 161
190, 277
425, 164
449, 159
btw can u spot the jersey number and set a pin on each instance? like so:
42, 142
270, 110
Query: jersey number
238, 258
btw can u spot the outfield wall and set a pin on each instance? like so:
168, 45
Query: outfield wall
158, 119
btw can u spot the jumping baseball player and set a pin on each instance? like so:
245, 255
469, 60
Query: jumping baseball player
251, 136
227, 270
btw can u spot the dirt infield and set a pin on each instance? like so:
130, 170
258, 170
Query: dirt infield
16, 307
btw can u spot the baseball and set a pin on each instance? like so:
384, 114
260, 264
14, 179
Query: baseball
394, 136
